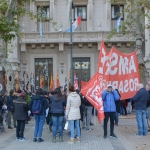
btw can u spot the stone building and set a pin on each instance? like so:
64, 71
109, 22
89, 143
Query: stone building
51, 54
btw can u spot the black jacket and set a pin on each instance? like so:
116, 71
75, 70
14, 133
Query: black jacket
117, 106
148, 103
86, 102
9, 102
1, 102
20, 109
44, 103
140, 99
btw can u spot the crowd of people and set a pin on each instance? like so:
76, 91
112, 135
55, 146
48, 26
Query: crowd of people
60, 107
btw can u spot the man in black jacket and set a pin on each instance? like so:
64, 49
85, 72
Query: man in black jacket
141, 99
1, 103
148, 103
20, 114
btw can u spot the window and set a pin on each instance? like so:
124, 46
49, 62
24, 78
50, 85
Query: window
81, 11
82, 69
43, 13
43, 73
117, 11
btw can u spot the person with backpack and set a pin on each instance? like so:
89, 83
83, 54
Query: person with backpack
57, 103
38, 106
109, 96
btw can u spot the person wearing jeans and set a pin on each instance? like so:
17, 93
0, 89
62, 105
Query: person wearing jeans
140, 99
109, 97
40, 118
57, 125
73, 114
57, 103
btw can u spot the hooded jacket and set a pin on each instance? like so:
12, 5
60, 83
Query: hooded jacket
109, 99
73, 106
20, 109
43, 102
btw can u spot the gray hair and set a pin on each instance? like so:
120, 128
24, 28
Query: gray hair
140, 85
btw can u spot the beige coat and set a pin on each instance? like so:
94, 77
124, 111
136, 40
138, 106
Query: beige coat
73, 106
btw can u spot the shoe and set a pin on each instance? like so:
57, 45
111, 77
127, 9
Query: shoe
105, 136
14, 126
40, 140
77, 139
17, 138
148, 130
138, 135
10, 128
113, 135
116, 124
71, 141
34, 140
22, 139
83, 127
91, 124
60, 139
90, 129
54, 140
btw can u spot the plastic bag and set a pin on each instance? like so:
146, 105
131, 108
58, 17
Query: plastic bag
66, 125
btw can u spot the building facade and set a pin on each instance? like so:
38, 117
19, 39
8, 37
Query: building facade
50, 55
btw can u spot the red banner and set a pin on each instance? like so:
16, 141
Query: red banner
83, 83
120, 70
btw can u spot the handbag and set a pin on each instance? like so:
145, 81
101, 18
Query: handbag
66, 125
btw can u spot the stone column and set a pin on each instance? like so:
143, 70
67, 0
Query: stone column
107, 11
52, 15
33, 9
90, 15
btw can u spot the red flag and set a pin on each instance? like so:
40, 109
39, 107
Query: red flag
52, 87
41, 81
83, 83
57, 80
76, 86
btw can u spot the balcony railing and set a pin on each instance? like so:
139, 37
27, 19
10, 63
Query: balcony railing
45, 27
82, 27
114, 23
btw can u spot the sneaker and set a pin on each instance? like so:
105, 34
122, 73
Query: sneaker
22, 139
91, 124
71, 141
105, 136
54, 140
77, 139
138, 135
34, 140
40, 140
60, 139
17, 138
10, 127
90, 129
113, 135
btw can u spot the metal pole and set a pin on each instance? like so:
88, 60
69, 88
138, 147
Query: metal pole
71, 63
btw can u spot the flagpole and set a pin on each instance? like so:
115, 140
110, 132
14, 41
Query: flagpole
71, 63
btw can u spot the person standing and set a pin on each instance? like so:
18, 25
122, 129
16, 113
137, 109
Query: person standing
141, 98
73, 114
57, 103
129, 106
10, 108
38, 106
117, 109
20, 114
109, 97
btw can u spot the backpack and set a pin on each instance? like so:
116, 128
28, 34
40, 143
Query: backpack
36, 106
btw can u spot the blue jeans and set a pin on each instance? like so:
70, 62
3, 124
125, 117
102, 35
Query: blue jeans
39, 122
121, 110
116, 118
141, 122
57, 125
74, 124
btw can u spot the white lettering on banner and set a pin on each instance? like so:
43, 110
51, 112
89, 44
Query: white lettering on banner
120, 64
126, 85
132, 65
103, 59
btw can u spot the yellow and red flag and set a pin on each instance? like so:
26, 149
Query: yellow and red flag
57, 80
41, 81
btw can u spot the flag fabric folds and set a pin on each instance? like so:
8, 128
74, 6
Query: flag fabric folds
57, 80
76, 86
52, 87
75, 24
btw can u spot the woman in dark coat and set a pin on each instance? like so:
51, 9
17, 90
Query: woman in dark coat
20, 114
117, 109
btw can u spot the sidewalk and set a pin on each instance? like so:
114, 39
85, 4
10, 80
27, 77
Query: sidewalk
91, 140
